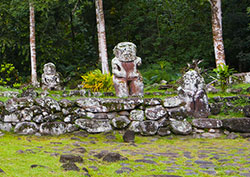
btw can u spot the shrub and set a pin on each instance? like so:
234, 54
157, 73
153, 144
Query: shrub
9, 76
161, 71
223, 73
96, 81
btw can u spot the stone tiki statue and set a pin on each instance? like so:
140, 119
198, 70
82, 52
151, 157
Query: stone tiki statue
127, 79
192, 91
50, 78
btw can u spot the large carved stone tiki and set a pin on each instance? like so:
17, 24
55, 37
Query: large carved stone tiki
50, 78
127, 79
193, 92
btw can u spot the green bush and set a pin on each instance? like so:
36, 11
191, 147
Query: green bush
223, 74
160, 71
9, 76
96, 81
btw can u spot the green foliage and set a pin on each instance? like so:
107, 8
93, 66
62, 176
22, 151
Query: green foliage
160, 71
96, 81
9, 76
223, 73
163, 30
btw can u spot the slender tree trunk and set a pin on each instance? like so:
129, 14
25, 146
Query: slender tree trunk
217, 32
33, 46
103, 56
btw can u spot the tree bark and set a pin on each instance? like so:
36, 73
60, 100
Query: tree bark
103, 56
33, 46
217, 32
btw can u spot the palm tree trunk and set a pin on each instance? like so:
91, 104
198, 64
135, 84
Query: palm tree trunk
103, 56
217, 32
33, 46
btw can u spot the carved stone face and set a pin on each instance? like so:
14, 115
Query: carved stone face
190, 80
125, 51
49, 69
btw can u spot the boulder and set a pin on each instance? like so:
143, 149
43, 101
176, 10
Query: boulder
164, 131
52, 104
26, 114
246, 110
121, 104
180, 127
173, 102
134, 126
149, 127
129, 136
97, 115
53, 128
237, 124
64, 103
80, 112
94, 125
207, 123
136, 115
113, 157
70, 167
91, 105
120, 122
6, 126
215, 108
152, 101
65, 158
155, 113
14, 117
26, 128
71, 128
178, 113
30, 92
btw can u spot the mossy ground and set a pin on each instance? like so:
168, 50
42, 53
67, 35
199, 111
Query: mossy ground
167, 152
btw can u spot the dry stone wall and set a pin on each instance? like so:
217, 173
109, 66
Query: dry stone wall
147, 116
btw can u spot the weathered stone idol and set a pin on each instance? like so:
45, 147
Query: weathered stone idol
127, 79
50, 78
192, 91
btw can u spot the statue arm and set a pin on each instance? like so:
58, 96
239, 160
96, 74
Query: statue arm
138, 61
117, 69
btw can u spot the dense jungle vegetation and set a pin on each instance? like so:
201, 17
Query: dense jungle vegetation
168, 34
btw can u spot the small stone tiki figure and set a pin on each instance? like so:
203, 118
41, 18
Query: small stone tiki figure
192, 91
127, 79
50, 78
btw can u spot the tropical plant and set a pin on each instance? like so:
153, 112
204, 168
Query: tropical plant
223, 74
9, 76
96, 81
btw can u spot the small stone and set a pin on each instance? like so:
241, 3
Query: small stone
35, 166
80, 150
232, 136
70, 158
129, 136
146, 161
70, 167
113, 157
101, 154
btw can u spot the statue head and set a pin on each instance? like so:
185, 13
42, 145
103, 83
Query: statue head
49, 69
125, 51
190, 80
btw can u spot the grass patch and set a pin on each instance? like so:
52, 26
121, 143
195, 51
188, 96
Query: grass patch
166, 152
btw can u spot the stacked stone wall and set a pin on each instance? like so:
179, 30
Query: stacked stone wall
147, 116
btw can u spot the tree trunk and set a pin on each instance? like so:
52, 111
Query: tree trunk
103, 56
217, 32
33, 46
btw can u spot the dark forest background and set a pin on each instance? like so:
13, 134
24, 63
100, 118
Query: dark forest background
168, 34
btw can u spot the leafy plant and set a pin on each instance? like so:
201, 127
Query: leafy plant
160, 71
223, 73
96, 81
9, 75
